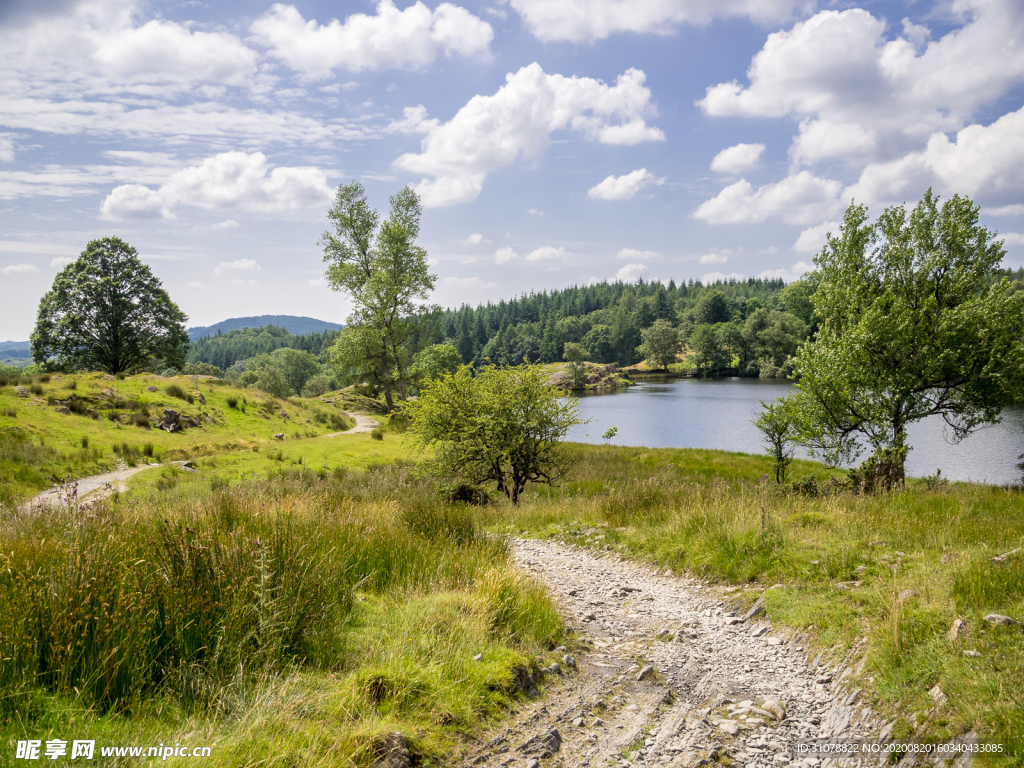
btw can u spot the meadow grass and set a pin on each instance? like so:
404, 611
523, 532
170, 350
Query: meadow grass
294, 619
844, 559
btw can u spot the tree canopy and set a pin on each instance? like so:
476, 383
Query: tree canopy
502, 425
913, 322
380, 266
106, 311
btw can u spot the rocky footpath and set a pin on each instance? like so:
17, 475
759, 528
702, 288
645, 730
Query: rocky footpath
670, 676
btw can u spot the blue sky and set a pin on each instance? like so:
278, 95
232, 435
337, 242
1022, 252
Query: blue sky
553, 142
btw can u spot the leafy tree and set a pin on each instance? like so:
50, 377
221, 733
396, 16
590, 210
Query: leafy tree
297, 366
711, 309
779, 434
706, 351
502, 425
912, 323
598, 343
660, 343
271, 379
379, 265
107, 311
317, 386
434, 361
770, 338
576, 356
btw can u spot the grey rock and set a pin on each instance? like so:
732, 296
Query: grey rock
972, 654
555, 668
997, 619
569, 662
278, 436
62, 409
22, 392
478, 657
646, 672
905, 595
171, 421
755, 610
533, 763
954, 630
391, 751
938, 696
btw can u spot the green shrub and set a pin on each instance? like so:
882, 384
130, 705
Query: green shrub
85, 441
176, 391
45, 378
141, 420
73, 384
232, 401
35, 389
121, 375
377, 434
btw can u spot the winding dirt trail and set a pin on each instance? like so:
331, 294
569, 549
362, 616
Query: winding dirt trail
92, 488
363, 424
669, 676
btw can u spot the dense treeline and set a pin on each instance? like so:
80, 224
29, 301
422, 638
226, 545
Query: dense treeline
608, 319
225, 349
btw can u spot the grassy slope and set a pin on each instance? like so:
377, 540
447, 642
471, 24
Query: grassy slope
301, 616
706, 511
50, 444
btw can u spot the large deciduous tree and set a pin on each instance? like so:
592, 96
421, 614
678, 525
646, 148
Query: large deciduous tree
502, 425
912, 323
380, 266
106, 311
661, 343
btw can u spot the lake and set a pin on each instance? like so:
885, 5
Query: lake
717, 413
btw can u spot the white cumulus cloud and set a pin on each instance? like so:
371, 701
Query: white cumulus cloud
1012, 238
630, 273
859, 92
737, 158
59, 262
983, 162
20, 269
230, 180
505, 255
491, 132
623, 187
408, 38
713, 258
589, 20
813, 239
547, 253
797, 199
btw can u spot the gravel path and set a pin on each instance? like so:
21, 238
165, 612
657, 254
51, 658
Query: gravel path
92, 488
670, 677
363, 424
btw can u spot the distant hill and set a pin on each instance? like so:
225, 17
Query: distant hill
294, 325
15, 349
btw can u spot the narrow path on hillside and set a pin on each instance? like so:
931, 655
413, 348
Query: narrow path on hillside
92, 488
670, 677
363, 424
96, 487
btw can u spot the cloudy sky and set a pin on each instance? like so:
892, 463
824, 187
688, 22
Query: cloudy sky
553, 142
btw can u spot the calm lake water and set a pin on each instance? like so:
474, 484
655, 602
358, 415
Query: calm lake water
691, 413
